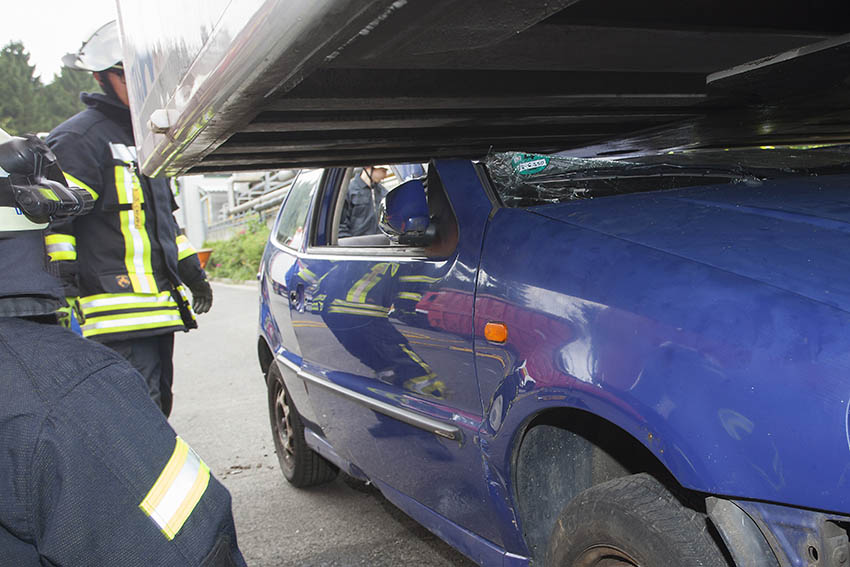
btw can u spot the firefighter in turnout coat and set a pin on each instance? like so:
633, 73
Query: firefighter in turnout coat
126, 261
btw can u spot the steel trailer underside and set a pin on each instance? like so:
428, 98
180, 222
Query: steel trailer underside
410, 80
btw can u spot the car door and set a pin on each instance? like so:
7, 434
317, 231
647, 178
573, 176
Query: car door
392, 381
285, 244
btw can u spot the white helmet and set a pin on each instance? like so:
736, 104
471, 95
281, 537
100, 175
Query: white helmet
100, 52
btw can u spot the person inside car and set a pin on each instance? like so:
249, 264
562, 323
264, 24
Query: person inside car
360, 210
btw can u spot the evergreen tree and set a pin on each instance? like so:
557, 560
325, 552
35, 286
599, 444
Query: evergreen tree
26, 105
62, 96
19, 90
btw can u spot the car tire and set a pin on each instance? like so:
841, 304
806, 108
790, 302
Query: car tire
300, 465
631, 521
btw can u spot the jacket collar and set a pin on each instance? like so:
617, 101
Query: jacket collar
108, 105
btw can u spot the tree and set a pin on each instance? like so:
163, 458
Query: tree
26, 105
19, 90
62, 96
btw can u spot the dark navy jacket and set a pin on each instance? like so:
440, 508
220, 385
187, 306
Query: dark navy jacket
360, 209
82, 446
129, 246
26, 289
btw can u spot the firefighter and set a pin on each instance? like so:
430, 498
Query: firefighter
91, 472
126, 261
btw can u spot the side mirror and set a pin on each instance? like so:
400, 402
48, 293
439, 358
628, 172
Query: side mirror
404, 215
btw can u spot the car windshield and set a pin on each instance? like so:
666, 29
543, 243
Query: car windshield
526, 180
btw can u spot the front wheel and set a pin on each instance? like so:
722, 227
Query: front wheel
301, 465
633, 521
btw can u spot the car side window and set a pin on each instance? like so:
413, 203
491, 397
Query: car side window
290, 228
356, 215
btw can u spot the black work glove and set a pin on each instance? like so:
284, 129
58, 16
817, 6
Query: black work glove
201, 296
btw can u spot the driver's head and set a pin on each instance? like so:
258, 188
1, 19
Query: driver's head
375, 174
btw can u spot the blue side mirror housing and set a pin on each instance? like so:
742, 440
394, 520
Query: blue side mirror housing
404, 215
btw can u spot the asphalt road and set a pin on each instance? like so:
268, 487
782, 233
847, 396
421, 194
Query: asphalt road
220, 409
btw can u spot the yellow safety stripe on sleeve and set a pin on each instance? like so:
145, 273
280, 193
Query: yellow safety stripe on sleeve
61, 247
131, 322
74, 181
177, 491
122, 301
137, 245
182, 291
184, 247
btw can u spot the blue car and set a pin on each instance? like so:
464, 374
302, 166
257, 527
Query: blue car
559, 361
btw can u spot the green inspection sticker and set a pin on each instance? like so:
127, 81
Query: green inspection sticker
529, 164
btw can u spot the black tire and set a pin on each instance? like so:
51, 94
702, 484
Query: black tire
300, 465
631, 521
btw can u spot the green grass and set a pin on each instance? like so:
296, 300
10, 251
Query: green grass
238, 258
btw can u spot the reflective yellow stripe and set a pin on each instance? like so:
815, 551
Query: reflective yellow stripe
182, 291
184, 247
137, 245
359, 291
306, 275
132, 322
410, 295
177, 491
49, 194
354, 311
369, 306
418, 279
74, 181
60, 247
124, 301
57, 256
57, 238
166, 477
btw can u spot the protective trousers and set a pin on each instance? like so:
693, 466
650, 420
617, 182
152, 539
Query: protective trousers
152, 357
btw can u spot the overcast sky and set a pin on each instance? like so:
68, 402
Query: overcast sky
51, 28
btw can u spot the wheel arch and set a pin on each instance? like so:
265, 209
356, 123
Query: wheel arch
563, 451
264, 355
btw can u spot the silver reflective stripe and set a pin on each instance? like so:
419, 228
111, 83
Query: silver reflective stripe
180, 486
138, 243
61, 247
126, 299
131, 322
178, 491
127, 154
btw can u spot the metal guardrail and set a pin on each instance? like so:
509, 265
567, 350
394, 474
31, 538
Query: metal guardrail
263, 194
258, 202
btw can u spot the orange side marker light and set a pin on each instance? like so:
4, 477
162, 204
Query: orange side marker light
496, 332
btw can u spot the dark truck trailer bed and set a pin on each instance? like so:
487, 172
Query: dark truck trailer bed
270, 84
